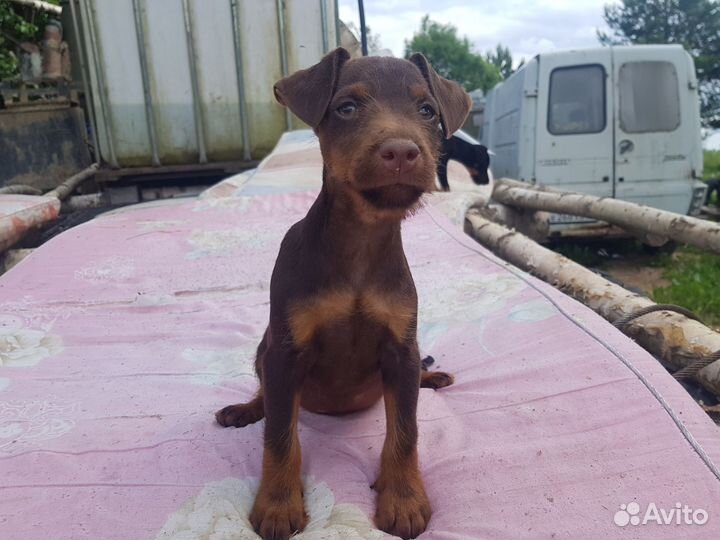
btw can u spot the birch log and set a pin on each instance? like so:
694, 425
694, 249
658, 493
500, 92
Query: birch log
673, 338
630, 216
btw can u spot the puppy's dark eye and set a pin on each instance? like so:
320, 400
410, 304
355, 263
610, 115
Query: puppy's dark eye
427, 112
346, 109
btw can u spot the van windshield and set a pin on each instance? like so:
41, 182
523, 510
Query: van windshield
577, 100
649, 98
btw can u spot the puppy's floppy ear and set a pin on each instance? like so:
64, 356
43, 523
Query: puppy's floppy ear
454, 102
307, 92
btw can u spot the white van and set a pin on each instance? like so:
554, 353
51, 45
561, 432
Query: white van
620, 122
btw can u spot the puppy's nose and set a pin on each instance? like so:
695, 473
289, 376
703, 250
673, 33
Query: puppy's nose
399, 155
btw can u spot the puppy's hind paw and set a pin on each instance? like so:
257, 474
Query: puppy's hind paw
240, 415
436, 379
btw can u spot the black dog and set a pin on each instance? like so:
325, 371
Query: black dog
464, 149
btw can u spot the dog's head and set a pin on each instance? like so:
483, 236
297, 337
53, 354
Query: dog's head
478, 169
377, 119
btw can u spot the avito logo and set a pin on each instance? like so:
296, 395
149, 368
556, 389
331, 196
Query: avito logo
630, 514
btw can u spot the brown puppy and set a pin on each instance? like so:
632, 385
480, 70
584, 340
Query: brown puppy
343, 306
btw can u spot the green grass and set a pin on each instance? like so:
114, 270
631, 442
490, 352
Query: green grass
694, 275
711, 164
695, 283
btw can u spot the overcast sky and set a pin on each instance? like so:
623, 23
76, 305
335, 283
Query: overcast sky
527, 27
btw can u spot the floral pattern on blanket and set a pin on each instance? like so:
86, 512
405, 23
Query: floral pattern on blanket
221, 512
225, 243
472, 298
159, 225
533, 311
28, 424
220, 366
108, 270
21, 346
238, 205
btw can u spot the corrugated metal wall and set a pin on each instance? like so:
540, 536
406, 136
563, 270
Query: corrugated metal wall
178, 82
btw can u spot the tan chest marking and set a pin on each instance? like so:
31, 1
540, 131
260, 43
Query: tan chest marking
308, 316
394, 312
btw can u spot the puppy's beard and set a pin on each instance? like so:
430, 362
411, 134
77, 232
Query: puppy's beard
393, 196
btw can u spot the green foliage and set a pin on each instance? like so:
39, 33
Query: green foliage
694, 276
711, 171
18, 23
452, 56
694, 24
711, 164
502, 59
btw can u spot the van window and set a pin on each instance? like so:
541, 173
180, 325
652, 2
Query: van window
577, 100
649, 98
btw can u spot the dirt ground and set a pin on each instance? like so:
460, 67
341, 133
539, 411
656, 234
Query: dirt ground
637, 275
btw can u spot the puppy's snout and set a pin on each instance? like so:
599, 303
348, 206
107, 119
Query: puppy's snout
399, 155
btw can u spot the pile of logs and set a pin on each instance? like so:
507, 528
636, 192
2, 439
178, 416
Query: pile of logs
675, 339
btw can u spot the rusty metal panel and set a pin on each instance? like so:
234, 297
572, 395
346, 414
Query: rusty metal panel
178, 82
42, 147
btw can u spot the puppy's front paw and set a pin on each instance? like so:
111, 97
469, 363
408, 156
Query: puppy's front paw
278, 519
404, 512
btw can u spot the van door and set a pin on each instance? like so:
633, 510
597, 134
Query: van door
574, 145
654, 107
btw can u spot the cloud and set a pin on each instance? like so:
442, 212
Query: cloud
528, 28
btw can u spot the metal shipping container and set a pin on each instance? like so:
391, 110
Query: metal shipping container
180, 82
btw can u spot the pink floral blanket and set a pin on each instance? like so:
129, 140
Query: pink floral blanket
121, 337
